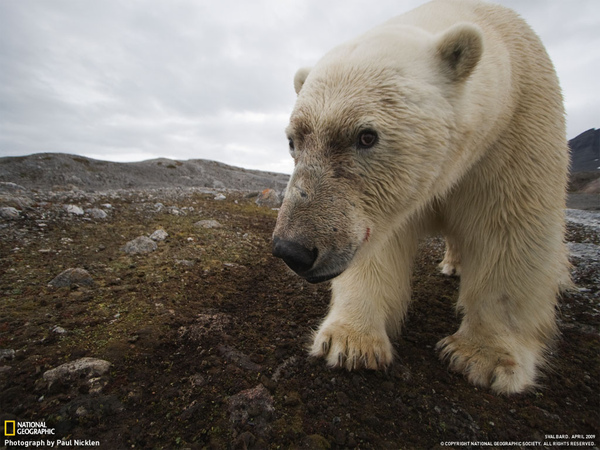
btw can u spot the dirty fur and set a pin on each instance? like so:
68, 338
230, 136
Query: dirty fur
470, 142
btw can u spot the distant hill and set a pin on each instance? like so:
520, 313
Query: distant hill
585, 151
52, 170
585, 168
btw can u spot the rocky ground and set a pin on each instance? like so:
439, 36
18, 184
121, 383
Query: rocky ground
158, 319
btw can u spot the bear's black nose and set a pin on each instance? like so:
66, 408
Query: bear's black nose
296, 256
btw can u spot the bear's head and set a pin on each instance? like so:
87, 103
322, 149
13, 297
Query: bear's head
370, 134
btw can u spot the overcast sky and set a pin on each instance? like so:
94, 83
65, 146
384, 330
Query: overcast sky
127, 80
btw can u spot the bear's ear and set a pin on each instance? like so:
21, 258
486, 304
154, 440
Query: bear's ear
460, 49
300, 78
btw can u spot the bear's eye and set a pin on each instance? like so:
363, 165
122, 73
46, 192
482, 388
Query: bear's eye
367, 139
291, 144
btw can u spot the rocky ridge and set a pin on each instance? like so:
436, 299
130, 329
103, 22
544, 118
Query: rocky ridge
57, 171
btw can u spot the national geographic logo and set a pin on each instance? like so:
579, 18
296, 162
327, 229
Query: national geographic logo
14, 428
9, 427
29, 434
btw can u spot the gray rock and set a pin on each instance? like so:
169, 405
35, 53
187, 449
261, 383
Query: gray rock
589, 219
175, 211
159, 235
81, 368
73, 276
220, 197
97, 213
269, 198
8, 186
253, 406
7, 353
208, 224
8, 212
140, 245
20, 202
74, 209
584, 251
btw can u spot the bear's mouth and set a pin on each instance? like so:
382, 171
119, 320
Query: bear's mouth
320, 278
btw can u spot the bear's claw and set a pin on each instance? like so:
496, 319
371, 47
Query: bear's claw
486, 366
342, 347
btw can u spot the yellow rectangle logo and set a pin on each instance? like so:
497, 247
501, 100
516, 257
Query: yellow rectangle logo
7, 424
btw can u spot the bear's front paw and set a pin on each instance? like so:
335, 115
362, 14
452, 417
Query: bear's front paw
343, 346
487, 366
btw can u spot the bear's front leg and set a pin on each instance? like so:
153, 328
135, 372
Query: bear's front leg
505, 330
369, 301
353, 344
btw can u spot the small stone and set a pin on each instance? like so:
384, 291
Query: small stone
220, 197
97, 213
59, 330
197, 380
7, 353
84, 367
139, 245
159, 235
175, 211
184, 262
74, 209
73, 276
291, 400
254, 404
208, 224
8, 212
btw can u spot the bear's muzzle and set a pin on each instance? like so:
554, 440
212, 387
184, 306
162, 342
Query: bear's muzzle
301, 260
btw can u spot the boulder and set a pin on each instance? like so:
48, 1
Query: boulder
140, 245
81, 368
70, 277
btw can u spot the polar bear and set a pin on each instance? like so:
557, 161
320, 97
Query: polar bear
448, 119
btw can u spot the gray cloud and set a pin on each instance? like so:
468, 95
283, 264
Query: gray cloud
197, 79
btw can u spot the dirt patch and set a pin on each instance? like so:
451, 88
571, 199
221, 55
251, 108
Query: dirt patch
206, 340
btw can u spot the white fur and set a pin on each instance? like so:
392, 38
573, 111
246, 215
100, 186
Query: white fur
471, 144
